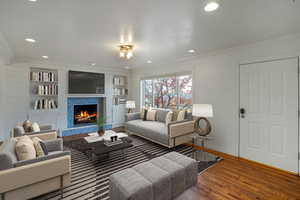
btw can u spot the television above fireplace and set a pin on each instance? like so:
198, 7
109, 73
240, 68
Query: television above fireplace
86, 83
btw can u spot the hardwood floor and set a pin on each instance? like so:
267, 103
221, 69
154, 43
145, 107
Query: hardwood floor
241, 180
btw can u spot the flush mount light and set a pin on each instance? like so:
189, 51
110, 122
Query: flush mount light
30, 40
126, 51
149, 61
211, 6
191, 51
45, 57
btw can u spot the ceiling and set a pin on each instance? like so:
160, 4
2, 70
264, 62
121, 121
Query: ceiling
80, 32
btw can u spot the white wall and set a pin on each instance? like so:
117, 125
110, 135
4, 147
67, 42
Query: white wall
216, 81
16, 95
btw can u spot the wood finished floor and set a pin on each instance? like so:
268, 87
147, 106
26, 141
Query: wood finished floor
240, 180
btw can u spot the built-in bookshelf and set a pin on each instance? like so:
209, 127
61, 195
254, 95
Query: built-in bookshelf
43, 89
120, 90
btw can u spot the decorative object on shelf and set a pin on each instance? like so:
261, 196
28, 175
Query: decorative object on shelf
101, 126
202, 111
126, 51
130, 105
120, 90
44, 88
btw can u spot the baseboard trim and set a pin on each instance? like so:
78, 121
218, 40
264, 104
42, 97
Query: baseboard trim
254, 163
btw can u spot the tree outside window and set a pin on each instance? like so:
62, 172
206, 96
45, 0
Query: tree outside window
168, 92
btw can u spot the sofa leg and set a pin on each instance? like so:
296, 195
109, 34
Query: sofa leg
2, 196
61, 187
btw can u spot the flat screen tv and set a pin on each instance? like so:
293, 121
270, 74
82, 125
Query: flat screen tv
86, 83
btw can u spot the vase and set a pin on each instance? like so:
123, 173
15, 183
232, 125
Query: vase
101, 132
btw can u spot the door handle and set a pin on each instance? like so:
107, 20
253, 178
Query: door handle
242, 112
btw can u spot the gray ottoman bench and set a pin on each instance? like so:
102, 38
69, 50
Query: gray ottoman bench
162, 178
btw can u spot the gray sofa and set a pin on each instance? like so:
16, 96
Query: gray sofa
30, 178
171, 135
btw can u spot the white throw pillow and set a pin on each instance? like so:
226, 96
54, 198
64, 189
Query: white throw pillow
181, 115
35, 127
25, 149
151, 115
169, 118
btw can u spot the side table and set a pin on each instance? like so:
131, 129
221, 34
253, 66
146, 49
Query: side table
201, 155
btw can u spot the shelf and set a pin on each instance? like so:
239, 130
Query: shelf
41, 95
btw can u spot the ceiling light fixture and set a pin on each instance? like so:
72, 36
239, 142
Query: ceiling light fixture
126, 51
93, 64
191, 51
30, 40
32, 0
45, 57
149, 61
211, 6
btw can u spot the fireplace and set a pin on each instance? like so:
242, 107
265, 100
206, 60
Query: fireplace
85, 114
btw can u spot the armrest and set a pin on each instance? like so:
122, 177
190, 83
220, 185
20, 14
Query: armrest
132, 116
54, 145
44, 135
43, 158
5, 161
14, 178
46, 127
181, 128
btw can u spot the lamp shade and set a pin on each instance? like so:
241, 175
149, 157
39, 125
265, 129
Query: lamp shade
130, 104
202, 110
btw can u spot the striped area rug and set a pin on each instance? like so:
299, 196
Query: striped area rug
90, 179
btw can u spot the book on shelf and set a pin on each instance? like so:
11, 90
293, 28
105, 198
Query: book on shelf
43, 76
43, 104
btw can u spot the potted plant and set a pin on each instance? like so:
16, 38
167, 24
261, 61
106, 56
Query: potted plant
101, 126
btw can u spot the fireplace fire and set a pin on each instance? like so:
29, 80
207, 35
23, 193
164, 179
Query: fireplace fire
85, 114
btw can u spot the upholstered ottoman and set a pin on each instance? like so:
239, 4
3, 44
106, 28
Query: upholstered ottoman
162, 178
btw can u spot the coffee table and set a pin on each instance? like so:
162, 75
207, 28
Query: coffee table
100, 148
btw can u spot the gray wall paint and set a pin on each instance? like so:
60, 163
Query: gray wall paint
16, 100
216, 81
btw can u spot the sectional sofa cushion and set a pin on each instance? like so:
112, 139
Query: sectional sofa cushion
7, 154
25, 148
153, 130
19, 131
169, 118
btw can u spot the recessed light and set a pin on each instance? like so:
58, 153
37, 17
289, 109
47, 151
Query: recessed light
32, 0
191, 51
45, 57
93, 64
211, 6
127, 67
30, 40
149, 61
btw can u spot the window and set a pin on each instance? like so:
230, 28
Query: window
167, 92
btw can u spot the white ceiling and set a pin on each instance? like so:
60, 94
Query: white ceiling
84, 31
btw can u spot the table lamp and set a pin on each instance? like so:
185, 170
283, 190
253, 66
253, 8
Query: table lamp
130, 105
201, 112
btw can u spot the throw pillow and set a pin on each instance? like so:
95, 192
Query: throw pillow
25, 149
181, 115
145, 115
35, 127
44, 147
169, 118
27, 125
151, 115
161, 115
18, 131
38, 148
175, 115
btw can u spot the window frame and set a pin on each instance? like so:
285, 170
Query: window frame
152, 78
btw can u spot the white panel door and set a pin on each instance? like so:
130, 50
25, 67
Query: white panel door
269, 126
